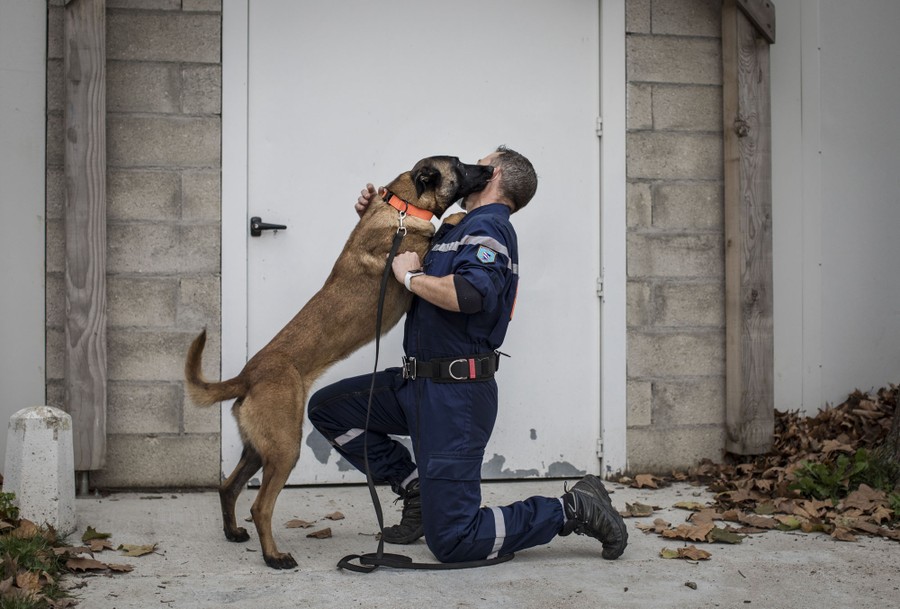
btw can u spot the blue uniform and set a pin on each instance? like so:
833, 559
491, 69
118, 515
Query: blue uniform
449, 423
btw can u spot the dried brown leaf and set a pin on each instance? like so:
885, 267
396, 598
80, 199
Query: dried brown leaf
334, 516
298, 524
321, 534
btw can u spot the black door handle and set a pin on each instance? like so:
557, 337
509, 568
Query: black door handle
257, 226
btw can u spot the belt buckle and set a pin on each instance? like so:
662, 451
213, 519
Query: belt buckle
450, 369
409, 368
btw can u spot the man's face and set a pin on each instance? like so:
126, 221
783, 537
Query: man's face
488, 160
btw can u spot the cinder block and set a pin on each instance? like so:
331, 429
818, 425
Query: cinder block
143, 195
163, 141
199, 302
637, 16
40, 467
682, 256
56, 354
56, 86
56, 145
55, 300
202, 196
162, 248
638, 202
690, 304
673, 156
143, 87
55, 31
168, 461
202, 419
694, 402
639, 311
160, 36
660, 451
143, 408
640, 106
673, 60
688, 18
202, 5
141, 302
688, 205
156, 356
157, 5
639, 395
687, 108
666, 355
56, 193
56, 246
202, 90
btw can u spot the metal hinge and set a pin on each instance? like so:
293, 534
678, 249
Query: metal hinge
599, 287
599, 126
599, 448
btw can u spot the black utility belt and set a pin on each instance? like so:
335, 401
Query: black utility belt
453, 369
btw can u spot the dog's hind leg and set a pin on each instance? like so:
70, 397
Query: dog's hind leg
275, 475
249, 464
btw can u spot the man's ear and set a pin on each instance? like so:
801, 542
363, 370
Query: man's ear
425, 178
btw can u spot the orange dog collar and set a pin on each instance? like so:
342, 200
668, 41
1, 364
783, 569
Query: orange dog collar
404, 207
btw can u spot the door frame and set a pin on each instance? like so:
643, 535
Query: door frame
235, 238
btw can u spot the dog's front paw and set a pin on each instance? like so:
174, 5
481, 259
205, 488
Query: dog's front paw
454, 219
281, 561
238, 535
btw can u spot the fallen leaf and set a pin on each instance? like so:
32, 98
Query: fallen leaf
788, 523
298, 524
25, 530
637, 510
120, 568
842, 534
688, 553
84, 564
645, 480
134, 550
321, 534
693, 506
688, 532
724, 536
92, 533
29, 580
98, 545
335, 516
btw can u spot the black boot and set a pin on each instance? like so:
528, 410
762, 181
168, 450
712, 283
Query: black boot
410, 527
590, 512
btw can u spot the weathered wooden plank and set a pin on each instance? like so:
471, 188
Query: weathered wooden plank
750, 414
85, 173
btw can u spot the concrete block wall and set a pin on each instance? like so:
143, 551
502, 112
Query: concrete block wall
163, 224
676, 285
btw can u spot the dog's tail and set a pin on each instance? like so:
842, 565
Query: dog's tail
202, 392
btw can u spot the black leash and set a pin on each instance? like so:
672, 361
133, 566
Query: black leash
370, 562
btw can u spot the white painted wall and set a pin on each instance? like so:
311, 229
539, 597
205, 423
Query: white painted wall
23, 60
836, 189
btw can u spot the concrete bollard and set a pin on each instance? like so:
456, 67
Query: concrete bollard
40, 467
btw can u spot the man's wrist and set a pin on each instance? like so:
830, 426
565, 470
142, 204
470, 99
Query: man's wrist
409, 275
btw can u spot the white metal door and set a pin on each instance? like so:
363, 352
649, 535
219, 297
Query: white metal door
344, 93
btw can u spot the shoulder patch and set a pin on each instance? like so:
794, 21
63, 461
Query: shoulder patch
486, 255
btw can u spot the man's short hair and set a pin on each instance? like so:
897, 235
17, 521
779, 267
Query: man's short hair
518, 182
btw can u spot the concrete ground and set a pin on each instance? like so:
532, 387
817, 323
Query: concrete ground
195, 567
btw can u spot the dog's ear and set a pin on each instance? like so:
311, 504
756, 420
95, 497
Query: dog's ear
425, 178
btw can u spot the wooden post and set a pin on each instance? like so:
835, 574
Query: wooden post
749, 371
85, 173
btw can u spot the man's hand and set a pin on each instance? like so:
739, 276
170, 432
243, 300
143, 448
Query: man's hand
365, 198
403, 263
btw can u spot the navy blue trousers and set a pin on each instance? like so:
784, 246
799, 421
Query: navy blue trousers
449, 425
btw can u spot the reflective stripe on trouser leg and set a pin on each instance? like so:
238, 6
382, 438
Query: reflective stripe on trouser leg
499, 531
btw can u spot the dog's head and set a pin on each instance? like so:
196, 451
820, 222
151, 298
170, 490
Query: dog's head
440, 181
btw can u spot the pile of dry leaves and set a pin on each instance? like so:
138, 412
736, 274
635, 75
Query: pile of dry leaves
812, 480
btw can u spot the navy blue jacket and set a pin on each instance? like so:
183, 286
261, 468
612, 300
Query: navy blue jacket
482, 249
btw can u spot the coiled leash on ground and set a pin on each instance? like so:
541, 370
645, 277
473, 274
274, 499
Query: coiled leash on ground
370, 562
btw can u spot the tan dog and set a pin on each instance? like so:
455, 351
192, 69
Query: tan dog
273, 387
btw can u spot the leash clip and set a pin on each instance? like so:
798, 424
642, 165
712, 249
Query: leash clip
401, 228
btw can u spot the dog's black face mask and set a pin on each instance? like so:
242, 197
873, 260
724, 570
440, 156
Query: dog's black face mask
466, 178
